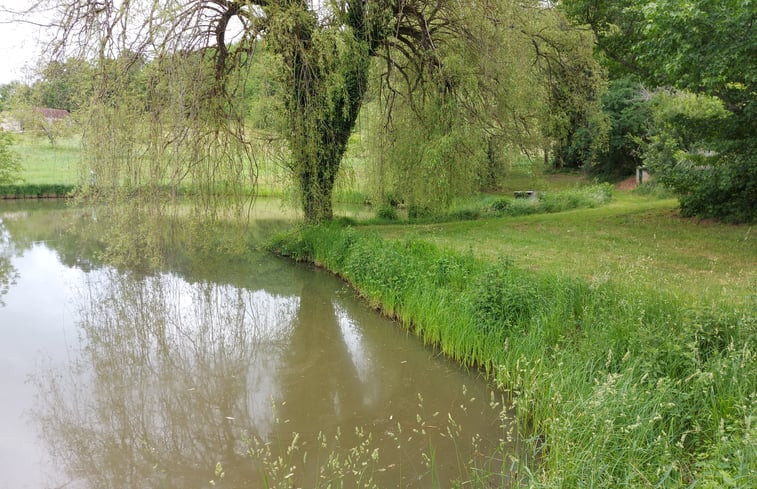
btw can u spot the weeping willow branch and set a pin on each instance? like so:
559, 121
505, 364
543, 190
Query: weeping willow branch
168, 115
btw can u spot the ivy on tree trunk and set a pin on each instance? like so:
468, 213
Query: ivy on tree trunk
325, 83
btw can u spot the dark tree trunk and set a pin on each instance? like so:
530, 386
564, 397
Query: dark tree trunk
316, 180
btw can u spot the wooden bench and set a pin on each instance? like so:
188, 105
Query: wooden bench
525, 194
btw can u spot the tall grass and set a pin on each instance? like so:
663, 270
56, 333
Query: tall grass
621, 387
488, 206
585, 197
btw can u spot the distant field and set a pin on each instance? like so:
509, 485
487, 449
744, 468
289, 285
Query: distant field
44, 163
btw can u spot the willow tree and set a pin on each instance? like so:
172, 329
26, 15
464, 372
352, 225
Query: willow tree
505, 87
191, 121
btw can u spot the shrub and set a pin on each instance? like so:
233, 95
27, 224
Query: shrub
691, 151
10, 168
387, 212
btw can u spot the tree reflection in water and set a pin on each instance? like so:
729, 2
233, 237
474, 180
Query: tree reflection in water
8, 273
169, 376
227, 362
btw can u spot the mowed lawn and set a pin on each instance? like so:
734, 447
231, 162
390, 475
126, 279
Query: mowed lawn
45, 163
635, 239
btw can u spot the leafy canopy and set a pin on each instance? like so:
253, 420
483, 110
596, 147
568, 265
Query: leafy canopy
703, 47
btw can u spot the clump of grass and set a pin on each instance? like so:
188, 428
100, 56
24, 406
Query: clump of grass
654, 189
349, 196
548, 202
621, 386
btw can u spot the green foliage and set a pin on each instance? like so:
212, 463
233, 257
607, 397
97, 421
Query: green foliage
9, 92
262, 90
575, 126
608, 144
460, 134
699, 45
63, 85
387, 212
688, 152
39, 125
619, 386
504, 298
703, 47
433, 157
38, 191
629, 117
10, 167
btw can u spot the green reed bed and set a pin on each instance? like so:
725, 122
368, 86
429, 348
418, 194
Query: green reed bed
614, 386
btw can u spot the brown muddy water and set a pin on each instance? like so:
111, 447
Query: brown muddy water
222, 372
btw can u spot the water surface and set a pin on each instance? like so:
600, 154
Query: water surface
216, 371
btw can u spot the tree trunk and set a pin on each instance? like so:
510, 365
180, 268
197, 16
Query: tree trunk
316, 188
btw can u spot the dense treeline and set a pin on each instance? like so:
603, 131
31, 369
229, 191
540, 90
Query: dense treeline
696, 65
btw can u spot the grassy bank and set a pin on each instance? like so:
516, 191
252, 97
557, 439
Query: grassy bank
633, 240
616, 386
35, 191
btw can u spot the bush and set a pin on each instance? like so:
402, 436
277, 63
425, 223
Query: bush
547, 202
387, 212
10, 168
691, 153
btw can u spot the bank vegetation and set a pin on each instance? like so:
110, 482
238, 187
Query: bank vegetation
614, 386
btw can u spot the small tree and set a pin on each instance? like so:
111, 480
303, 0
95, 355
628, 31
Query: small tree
10, 168
711, 176
42, 123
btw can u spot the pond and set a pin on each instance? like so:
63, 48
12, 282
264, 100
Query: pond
219, 371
